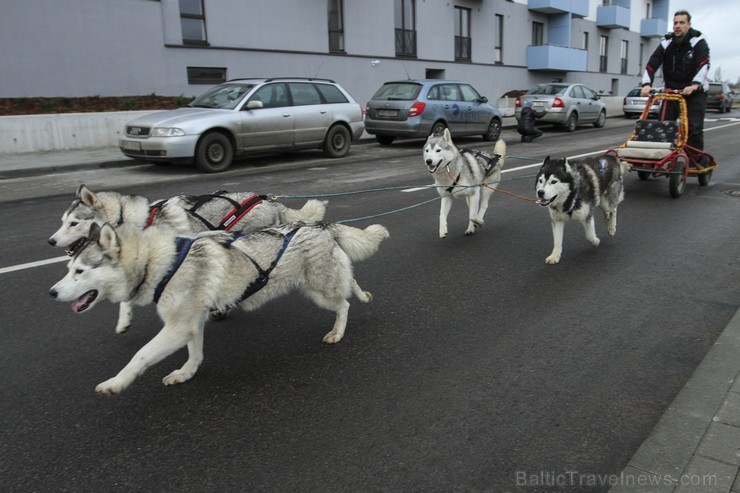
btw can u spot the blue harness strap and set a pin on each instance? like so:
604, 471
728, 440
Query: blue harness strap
183, 247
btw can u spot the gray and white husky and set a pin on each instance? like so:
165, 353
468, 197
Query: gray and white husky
187, 277
461, 173
573, 189
240, 212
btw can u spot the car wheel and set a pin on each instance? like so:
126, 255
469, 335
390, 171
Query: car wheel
385, 140
601, 121
572, 122
494, 131
214, 153
337, 141
438, 128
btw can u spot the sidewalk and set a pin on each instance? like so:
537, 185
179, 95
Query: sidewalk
695, 447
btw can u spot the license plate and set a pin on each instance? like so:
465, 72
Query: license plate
133, 146
388, 113
538, 105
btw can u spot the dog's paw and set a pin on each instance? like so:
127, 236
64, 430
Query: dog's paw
612, 230
552, 259
479, 223
121, 329
594, 241
332, 338
443, 234
177, 376
366, 297
110, 387
470, 231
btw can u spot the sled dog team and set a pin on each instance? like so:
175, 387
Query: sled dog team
198, 257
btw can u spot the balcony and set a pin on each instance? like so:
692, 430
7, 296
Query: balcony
653, 28
578, 8
556, 58
612, 17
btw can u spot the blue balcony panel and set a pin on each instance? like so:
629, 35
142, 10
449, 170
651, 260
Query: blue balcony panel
556, 58
578, 8
612, 17
653, 28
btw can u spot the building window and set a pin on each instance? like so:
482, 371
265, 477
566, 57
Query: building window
336, 26
193, 22
624, 56
648, 10
462, 34
538, 33
405, 14
498, 48
603, 51
585, 41
206, 75
639, 59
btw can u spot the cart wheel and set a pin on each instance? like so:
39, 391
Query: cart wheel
705, 178
677, 180
643, 175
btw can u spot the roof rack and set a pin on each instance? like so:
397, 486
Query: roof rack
272, 79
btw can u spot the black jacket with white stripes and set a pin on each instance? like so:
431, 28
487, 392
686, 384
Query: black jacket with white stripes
684, 62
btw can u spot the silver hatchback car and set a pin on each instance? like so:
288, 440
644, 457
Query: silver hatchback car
417, 108
569, 105
245, 116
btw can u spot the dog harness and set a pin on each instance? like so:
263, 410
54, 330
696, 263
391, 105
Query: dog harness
490, 164
229, 220
183, 245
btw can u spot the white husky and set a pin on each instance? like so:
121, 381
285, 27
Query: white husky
573, 189
187, 277
243, 212
462, 173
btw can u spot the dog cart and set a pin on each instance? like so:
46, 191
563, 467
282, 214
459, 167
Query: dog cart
658, 147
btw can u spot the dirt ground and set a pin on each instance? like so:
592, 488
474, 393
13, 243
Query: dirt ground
93, 104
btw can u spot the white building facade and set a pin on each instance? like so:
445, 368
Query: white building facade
182, 47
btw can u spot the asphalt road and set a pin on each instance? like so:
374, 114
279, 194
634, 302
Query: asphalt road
475, 366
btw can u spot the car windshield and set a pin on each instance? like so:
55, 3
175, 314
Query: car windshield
548, 90
224, 96
398, 92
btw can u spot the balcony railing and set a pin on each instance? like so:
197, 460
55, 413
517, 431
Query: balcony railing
462, 48
405, 42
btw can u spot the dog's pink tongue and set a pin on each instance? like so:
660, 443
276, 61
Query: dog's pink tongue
82, 302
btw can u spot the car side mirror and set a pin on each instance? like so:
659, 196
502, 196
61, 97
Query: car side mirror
255, 104
482, 99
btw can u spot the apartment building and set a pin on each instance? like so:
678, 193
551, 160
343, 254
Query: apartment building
174, 47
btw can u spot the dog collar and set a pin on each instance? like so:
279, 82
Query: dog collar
153, 211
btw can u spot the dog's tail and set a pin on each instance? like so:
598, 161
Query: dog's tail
500, 149
359, 244
312, 211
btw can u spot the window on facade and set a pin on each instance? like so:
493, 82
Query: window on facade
648, 10
405, 16
639, 59
603, 51
206, 75
193, 22
585, 41
538, 33
624, 55
498, 48
336, 26
462, 34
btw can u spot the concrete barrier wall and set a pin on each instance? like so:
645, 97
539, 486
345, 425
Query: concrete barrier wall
37, 133
34, 133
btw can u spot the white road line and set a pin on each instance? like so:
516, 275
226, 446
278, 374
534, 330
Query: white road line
30, 265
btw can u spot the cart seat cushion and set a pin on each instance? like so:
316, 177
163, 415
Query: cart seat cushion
643, 153
656, 131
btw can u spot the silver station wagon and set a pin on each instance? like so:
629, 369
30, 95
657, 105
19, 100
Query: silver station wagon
417, 108
245, 116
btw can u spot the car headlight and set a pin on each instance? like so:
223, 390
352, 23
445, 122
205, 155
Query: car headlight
167, 132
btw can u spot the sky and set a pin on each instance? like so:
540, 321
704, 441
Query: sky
718, 21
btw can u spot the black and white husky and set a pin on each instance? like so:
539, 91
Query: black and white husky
573, 189
239, 212
462, 173
188, 277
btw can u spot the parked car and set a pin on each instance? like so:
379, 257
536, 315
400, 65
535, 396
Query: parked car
417, 108
569, 105
719, 97
243, 116
634, 104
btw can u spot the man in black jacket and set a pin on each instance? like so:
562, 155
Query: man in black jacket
526, 127
684, 54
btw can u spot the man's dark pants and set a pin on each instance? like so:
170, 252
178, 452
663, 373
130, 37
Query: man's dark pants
696, 106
